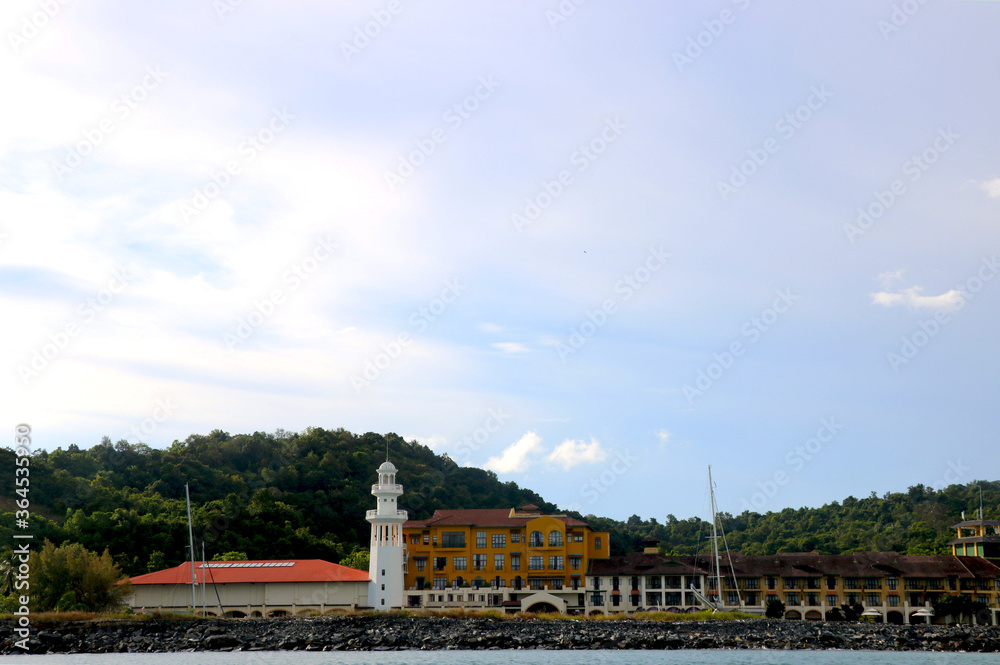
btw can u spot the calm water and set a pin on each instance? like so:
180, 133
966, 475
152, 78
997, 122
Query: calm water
701, 657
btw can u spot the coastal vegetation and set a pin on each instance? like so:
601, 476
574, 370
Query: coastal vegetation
304, 495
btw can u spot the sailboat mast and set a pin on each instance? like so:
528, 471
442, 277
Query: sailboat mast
194, 577
715, 538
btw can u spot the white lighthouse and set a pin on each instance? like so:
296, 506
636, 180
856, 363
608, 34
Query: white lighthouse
386, 564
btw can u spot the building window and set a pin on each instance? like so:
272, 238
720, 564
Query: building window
498, 561
536, 563
460, 563
791, 583
440, 562
555, 562
634, 599
453, 539
515, 562
771, 597
577, 537
480, 539
872, 599
873, 582
831, 582
440, 583
893, 600
615, 600
383, 572
536, 539
732, 598
420, 563
479, 561
771, 582
597, 542
812, 599
575, 561
751, 583
414, 540
791, 599
556, 584
515, 536
852, 599
654, 582
832, 600
555, 539
499, 540
851, 583
597, 598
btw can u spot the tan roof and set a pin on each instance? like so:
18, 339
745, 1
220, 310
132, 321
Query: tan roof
801, 564
486, 517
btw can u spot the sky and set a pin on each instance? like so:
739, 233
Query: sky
593, 247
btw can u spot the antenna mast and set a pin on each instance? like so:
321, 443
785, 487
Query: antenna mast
194, 577
716, 560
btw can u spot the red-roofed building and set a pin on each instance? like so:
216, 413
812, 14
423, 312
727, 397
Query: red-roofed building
254, 588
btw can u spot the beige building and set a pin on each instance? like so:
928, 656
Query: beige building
289, 587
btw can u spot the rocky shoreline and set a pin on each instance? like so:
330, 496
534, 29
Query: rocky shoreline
364, 633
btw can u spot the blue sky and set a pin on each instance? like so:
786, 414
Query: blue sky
594, 247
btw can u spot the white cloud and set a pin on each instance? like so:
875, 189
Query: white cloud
912, 298
992, 188
572, 453
890, 277
490, 327
664, 437
517, 456
433, 442
511, 347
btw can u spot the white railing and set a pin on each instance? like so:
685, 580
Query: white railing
375, 513
395, 488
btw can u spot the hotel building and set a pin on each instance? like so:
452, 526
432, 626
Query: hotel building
899, 588
517, 559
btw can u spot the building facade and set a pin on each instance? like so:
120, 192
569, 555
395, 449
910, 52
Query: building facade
898, 587
978, 538
517, 559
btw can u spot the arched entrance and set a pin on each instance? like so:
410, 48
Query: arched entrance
543, 608
894, 616
793, 615
814, 615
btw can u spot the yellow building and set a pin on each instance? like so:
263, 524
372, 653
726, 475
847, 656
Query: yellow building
977, 538
515, 558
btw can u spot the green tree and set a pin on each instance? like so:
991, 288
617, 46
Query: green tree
156, 562
230, 556
775, 609
72, 575
359, 559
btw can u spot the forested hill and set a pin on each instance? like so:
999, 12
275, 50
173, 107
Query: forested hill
286, 495
280, 495
917, 521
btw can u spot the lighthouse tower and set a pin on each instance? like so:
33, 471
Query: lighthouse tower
385, 570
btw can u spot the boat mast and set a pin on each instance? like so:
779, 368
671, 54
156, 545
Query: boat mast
715, 539
194, 577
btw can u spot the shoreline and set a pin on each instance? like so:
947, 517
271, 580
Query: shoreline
377, 633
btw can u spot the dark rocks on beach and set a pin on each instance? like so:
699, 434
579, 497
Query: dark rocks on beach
370, 633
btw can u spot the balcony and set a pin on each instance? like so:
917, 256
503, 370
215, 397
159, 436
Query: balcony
400, 514
394, 488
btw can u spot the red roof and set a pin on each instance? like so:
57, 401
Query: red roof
270, 570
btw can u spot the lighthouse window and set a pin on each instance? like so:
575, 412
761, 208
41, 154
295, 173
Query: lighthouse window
383, 587
383, 601
383, 572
